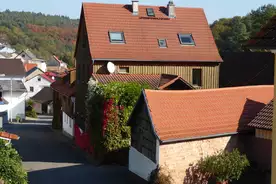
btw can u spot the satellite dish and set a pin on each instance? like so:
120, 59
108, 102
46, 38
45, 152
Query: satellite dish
111, 67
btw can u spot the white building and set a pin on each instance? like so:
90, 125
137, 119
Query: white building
12, 89
37, 83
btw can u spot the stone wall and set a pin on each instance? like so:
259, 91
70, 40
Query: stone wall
177, 157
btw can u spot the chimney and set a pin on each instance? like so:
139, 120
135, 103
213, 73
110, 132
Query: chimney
171, 9
135, 7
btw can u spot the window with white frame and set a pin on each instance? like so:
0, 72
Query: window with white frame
116, 37
186, 39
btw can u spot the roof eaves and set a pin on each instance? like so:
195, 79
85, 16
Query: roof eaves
133, 60
149, 114
170, 141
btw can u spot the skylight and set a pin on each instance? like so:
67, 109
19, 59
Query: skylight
162, 43
116, 37
186, 39
150, 12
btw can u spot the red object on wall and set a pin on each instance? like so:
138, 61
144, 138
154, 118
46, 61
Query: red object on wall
82, 139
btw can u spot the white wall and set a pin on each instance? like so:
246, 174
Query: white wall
38, 85
16, 103
67, 124
140, 164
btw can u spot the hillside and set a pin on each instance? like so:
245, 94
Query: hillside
232, 33
43, 34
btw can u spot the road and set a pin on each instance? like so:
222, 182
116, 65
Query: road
51, 158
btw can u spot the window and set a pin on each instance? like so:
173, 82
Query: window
116, 37
186, 39
197, 77
162, 43
150, 12
39, 79
32, 89
23, 55
123, 69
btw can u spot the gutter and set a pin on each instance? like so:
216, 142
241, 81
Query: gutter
197, 138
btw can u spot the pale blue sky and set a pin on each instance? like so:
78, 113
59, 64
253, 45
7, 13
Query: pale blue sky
214, 9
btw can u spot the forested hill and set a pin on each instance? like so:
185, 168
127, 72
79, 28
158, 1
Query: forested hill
43, 34
232, 33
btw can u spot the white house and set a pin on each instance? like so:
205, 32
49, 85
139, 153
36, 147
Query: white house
12, 89
6, 49
37, 83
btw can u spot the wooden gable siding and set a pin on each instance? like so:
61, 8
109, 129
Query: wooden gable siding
142, 136
83, 63
263, 134
210, 72
35, 73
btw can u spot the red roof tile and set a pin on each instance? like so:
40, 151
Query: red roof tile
29, 66
264, 119
199, 113
153, 80
47, 78
142, 34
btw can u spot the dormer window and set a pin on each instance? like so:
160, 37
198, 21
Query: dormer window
150, 12
116, 37
162, 43
186, 39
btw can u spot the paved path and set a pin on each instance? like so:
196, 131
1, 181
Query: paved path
50, 158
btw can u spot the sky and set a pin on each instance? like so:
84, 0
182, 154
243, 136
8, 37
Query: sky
214, 9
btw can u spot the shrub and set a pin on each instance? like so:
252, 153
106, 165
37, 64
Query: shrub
11, 170
225, 166
30, 103
108, 109
31, 113
158, 176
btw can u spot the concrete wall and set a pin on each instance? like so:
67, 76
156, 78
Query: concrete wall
177, 157
139, 164
67, 125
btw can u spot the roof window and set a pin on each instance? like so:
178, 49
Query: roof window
186, 39
150, 12
116, 37
162, 43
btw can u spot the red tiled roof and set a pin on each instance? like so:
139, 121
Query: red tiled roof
142, 34
47, 78
9, 136
264, 119
29, 66
153, 80
64, 88
199, 113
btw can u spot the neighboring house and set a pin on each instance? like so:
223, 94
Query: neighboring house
145, 40
154, 81
33, 72
26, 56
12, 90
55, 64
64, 103
37, 83
6, 49
177, 128
263, 132
246, 68
43, 101
29, 66
265, 39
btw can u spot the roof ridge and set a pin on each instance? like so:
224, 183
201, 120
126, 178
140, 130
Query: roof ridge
206, 90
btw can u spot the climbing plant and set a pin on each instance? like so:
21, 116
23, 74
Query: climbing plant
108, 108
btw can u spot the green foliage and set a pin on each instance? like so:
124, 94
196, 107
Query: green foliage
11, 170
225, 166
30, 112
108, 109
158, 176
44, 35
232, 33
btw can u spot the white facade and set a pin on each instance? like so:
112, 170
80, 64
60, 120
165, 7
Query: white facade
140, 164
67, 125
35, 84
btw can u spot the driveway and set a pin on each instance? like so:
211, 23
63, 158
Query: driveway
51, 158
